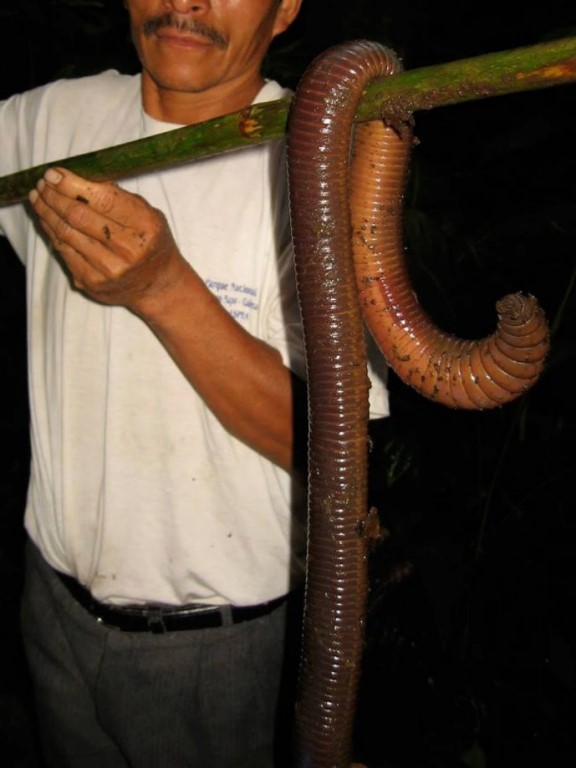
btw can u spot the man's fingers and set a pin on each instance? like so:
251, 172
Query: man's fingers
75, 222
105, 198
71, 218
81, 271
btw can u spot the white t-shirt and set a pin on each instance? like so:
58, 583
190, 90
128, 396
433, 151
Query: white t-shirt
136, 489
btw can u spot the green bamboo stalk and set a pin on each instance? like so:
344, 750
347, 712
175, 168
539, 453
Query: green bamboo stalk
394, 98
493, 74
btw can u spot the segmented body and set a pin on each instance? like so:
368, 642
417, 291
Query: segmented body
335, 289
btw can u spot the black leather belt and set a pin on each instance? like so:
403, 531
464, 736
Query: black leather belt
160, 619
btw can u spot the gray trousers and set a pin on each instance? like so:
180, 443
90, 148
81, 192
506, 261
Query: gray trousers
206, 698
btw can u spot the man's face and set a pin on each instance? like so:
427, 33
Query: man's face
194, 45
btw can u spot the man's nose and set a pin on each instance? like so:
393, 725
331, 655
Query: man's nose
186, 6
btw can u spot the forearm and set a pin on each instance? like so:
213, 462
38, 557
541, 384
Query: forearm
242, 380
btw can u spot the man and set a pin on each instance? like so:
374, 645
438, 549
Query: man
164, 358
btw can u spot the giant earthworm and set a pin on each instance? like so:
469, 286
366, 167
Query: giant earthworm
333, 207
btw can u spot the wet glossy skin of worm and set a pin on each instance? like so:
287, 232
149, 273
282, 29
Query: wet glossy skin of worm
335, 290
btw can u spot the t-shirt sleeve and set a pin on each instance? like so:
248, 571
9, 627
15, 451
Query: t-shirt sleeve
284, 321
285, 335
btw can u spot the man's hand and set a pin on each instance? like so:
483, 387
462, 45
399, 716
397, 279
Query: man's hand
116, 247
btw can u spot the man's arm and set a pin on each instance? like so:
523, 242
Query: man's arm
119, 250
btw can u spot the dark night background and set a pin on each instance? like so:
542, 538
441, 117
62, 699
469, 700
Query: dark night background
470, 648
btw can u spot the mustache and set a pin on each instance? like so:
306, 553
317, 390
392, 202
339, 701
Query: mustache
155, 23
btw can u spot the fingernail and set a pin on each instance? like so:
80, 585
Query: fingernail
33, 196
52, 176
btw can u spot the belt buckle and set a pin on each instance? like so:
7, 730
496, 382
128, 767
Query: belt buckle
155, 621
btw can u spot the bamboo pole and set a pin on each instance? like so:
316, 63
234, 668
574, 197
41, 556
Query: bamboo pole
394, 98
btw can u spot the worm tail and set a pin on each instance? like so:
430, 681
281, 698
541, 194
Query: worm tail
462, 374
